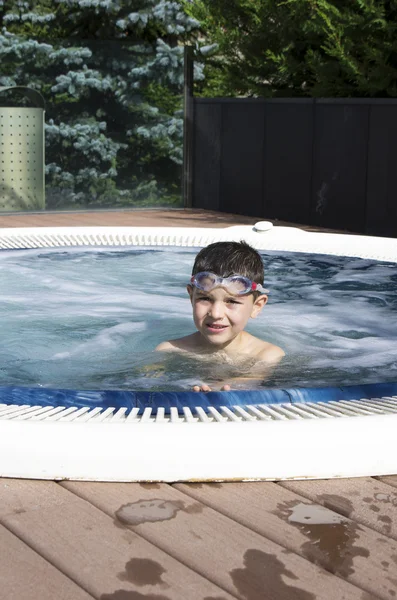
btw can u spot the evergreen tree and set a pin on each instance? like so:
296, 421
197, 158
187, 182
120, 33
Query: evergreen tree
300, 47
111, 73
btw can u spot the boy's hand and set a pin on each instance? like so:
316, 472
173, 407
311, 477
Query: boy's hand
206, 388
253, 382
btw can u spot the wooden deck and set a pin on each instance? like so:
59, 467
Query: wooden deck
120, 541
252, 541
139, 218
127, 218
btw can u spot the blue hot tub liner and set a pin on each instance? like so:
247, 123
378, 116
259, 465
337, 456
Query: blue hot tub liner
143, 399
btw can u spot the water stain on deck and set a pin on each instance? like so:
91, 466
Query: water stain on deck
196, 486
202, 485
148, 511
194, 509
154, 510
386, 523
331, 536
382, 498
385, 564
150, 486
143, 571
387, 498
263, 571
131, 595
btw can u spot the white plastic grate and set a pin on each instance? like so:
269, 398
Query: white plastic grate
289, 239
100, 239
223, 414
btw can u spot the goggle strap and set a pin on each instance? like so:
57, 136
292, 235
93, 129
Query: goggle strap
259, 288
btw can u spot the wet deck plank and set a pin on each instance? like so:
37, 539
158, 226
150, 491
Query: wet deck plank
25, 575
327, 538
234, 557
103, 558
368, 501
389, 480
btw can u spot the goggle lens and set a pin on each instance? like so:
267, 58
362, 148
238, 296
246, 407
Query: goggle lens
240, 285
205, 281
236, 284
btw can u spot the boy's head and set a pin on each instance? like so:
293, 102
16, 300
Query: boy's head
222, 312
230, 258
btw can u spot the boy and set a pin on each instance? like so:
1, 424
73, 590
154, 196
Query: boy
226, 291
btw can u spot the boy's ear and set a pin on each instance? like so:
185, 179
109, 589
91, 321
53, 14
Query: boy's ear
258, 305
190, 292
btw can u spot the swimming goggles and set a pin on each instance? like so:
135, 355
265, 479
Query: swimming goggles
236, 284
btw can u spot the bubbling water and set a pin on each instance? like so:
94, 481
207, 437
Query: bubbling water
90, 319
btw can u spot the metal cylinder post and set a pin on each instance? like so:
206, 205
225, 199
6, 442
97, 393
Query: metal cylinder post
22, 185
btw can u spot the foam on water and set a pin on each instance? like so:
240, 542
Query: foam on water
90, 318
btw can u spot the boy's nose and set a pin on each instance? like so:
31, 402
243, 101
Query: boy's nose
216, 310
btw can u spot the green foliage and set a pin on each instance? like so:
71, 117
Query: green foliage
111, 73
345, 48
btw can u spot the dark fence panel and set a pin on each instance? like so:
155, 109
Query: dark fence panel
324, 162
340, 166
241, 180
207, 156
381, 215
287, 162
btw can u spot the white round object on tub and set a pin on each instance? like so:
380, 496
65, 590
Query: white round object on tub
262, 226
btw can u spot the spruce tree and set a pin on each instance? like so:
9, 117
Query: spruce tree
111, 73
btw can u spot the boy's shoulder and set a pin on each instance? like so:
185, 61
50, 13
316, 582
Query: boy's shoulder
187, 343
264, 351
271, 353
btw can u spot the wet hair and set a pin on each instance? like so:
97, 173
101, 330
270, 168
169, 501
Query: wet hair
230, 258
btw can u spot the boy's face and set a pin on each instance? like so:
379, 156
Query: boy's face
221, 316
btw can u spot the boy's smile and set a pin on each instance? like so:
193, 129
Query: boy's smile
220, 316
215, 328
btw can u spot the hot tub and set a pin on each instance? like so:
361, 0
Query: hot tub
133, 435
